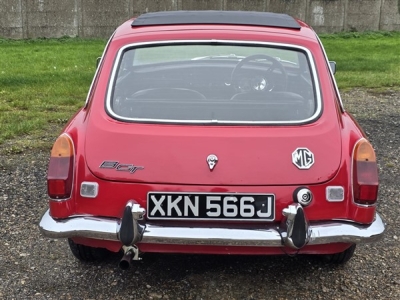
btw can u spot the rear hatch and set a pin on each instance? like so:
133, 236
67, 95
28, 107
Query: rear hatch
247, 155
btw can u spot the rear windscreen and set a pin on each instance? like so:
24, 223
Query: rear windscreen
214, 83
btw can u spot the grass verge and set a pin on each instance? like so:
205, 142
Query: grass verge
42, 83
368, 60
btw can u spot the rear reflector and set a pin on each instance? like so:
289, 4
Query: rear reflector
89, 189
335, 193
365, 173
61, 167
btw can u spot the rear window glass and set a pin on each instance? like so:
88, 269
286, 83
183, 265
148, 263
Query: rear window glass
214, 83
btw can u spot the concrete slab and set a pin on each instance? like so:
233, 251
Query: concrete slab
251, 5
100, 18
203, 4
390, 15
294, 8
11, 32
50, 18
11, 19
363, 16
98, 31
10, 6
327, 16
143, 6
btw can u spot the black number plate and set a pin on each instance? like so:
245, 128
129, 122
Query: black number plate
198, 206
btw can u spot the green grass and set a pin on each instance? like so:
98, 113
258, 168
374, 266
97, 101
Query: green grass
369, 60
44, 81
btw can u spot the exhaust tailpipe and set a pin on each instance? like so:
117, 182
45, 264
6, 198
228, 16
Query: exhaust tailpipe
130, 253
126, 261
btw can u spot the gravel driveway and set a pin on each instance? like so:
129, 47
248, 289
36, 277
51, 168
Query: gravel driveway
34, 267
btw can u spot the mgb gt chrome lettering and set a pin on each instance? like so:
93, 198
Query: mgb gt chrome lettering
211, 206
120, 167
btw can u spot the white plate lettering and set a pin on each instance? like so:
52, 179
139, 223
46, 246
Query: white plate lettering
208, 206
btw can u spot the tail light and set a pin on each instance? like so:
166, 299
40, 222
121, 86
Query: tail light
365, 173
61, 167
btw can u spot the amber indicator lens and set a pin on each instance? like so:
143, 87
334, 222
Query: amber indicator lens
60, 171
365, 174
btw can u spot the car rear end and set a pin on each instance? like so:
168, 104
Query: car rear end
227, 139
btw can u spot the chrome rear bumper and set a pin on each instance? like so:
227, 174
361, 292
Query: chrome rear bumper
265, 236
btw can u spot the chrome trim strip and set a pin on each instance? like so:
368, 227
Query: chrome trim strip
226, 42
97, 70
268, 236
332, 75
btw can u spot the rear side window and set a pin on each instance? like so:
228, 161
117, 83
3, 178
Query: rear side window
214, 83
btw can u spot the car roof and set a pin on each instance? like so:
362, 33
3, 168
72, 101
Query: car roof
216, 17
224, 20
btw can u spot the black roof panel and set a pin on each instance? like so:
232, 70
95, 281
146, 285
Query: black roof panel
217, 17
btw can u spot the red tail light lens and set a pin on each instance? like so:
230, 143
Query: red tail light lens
61, 167
365, 173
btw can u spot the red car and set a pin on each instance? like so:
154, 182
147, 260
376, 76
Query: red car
213, 132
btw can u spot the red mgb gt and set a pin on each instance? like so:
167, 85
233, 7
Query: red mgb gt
213, 132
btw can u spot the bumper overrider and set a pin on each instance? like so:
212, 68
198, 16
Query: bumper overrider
294, 231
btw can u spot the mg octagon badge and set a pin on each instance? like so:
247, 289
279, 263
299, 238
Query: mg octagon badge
303, 158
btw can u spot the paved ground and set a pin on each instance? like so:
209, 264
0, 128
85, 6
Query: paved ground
34, 267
